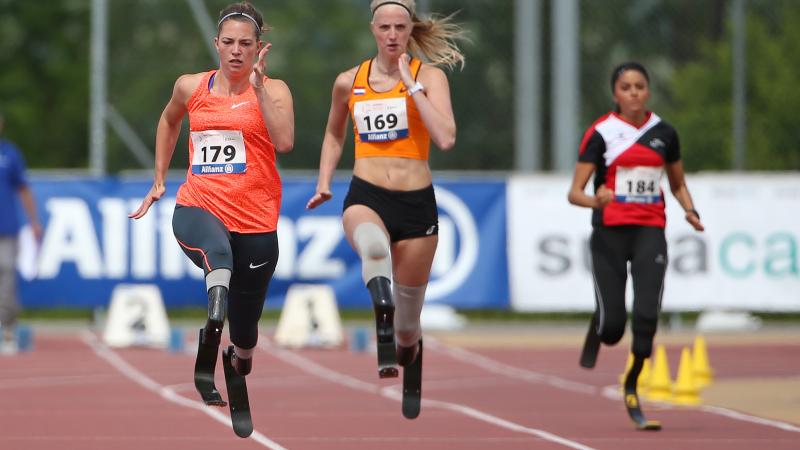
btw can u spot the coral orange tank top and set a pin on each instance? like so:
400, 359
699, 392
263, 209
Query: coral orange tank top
232, 171
387, 123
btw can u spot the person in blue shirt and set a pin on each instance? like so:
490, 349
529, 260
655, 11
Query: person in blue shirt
13, 184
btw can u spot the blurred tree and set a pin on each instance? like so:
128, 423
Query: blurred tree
43, 81
702, 111
483, 92
44, 84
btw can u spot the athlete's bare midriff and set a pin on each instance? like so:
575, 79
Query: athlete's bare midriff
397, 174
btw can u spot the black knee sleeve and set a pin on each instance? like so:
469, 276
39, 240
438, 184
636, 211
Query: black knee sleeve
612, 330
644, 329
243, 316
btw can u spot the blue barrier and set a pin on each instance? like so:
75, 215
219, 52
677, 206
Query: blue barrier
90, 245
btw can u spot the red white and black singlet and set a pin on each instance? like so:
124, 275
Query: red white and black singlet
630, 162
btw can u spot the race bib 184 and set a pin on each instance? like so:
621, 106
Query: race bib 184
218, 152
638, 184
381, 120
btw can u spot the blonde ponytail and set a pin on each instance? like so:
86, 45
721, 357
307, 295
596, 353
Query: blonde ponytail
434, 39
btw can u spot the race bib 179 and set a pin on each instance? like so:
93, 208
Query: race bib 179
218, 152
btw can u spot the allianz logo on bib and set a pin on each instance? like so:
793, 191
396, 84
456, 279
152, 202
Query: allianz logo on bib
383, 136
212, 169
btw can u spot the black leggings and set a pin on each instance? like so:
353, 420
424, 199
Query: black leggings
251, 258
646, 249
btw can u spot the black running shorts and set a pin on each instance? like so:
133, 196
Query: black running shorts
405, 214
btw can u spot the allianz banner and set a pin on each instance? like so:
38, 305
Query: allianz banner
90, 245
748, 258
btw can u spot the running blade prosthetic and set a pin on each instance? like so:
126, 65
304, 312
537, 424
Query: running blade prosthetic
207, 347
632, 399
591, 346
238, 401
412, 386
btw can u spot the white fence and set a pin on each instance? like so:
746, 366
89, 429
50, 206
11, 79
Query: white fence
748, 257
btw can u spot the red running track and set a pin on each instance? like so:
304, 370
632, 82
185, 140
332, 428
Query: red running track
72, 392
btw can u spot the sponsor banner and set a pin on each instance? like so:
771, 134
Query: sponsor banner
748, 258
90, 245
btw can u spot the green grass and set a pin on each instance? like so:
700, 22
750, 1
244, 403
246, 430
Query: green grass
57, 314
366, 314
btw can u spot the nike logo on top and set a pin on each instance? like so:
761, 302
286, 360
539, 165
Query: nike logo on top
236, 105
256, 266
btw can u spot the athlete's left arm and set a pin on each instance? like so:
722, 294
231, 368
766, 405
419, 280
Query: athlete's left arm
275, 101
433, 103
677, 184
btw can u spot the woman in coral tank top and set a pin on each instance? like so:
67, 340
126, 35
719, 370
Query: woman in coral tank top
227, 210
398, 104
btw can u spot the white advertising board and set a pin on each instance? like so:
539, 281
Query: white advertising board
747, 259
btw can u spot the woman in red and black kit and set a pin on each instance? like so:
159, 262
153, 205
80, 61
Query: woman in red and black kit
628, 150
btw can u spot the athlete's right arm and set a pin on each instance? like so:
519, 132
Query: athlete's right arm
335, 133
167, 132
577, 194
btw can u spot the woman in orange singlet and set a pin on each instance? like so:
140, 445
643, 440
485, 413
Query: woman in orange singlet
226, 215
398, 105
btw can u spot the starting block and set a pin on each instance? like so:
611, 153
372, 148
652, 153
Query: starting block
137, 317
309, 318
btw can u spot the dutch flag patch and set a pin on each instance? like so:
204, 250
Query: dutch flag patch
359, 90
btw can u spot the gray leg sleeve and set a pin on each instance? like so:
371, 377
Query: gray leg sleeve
218, 277
373, 248
408, 306
9, 308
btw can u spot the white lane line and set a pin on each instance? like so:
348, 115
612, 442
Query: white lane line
613, 393
329, 374
748, 418
167, 393
610, 392
500, 368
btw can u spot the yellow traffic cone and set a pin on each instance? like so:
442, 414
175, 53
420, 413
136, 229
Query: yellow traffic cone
703, 374
685, 391
660, 385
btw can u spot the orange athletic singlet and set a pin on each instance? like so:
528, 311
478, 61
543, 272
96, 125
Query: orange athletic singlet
387, 123
232, 171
